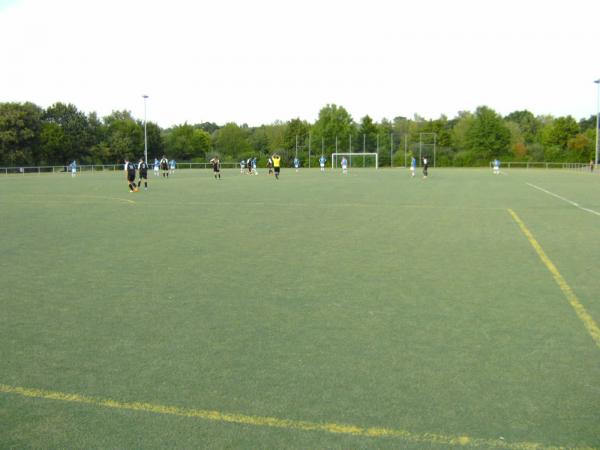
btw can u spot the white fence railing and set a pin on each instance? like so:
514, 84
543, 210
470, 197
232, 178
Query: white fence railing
23, 170
544, 165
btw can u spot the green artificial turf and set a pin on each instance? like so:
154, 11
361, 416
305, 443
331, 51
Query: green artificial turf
372, 299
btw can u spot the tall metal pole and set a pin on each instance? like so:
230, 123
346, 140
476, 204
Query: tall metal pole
296, 146
391, 149
309, 150
597, 122
364, 147
145, 132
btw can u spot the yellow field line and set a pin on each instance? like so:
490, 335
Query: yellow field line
216, 416
589, 323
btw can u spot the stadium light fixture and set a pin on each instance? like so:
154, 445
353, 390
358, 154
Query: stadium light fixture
145, 131
597, 122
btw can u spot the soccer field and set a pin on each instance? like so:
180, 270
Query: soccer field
371, 310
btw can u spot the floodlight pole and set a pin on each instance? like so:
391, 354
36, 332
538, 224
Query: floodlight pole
309, 150
597, 122
145, 132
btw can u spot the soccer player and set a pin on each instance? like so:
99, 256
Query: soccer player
254, 171
344, 165
130, 175
496, 166
73, 168
425, 167
296, 164
156, 167
322, 161
216, 167
249, 166
413, 166
164, 166
172, 165
242, 166
276, 164
143, 173
270, 165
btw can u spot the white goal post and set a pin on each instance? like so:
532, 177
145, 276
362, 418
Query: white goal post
335, 156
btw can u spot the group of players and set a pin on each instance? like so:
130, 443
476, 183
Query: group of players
246, 166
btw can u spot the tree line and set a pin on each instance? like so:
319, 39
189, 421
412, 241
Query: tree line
31, 135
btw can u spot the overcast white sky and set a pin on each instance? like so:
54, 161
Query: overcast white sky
259, 61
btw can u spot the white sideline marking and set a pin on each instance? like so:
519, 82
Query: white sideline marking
571, 202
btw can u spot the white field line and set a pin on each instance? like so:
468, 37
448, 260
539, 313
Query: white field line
571, 202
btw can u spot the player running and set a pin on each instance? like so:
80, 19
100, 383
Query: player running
216, 163
73, 167
413, 166
130, 175
242, 166
172, 165
296, 164
276, 164
254, 171
143, 173
156, 167
270, 165
322, 161
164, 166
344, 166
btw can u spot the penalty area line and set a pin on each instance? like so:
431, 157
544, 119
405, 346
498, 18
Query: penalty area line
588, 321
262, 421
571, 202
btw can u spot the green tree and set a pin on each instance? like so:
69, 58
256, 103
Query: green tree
231, 141
124, 136
487, 137
528, 124
66, 135
334, 122
20, 127
558, 133
184, 142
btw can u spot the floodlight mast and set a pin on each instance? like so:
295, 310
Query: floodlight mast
597, 121
145, 132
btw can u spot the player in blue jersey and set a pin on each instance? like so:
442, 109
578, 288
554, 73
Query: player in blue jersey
73, 167
322, 161
344, 166
172, 166
242, 166
413, 166
296, 164
254, 171
496, 165
156, 167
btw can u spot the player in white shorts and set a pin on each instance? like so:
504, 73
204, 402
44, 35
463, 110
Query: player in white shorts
322, 161
496, 167
344, 165
413, 166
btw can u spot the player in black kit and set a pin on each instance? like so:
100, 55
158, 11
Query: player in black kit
130, 173
143, 173
216, 167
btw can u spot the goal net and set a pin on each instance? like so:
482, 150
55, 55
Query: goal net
355, 160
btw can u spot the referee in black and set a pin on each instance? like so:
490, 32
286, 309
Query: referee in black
143, 173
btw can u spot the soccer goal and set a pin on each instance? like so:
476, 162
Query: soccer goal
336, 159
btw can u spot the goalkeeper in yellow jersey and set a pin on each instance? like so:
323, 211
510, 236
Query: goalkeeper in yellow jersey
276, 164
